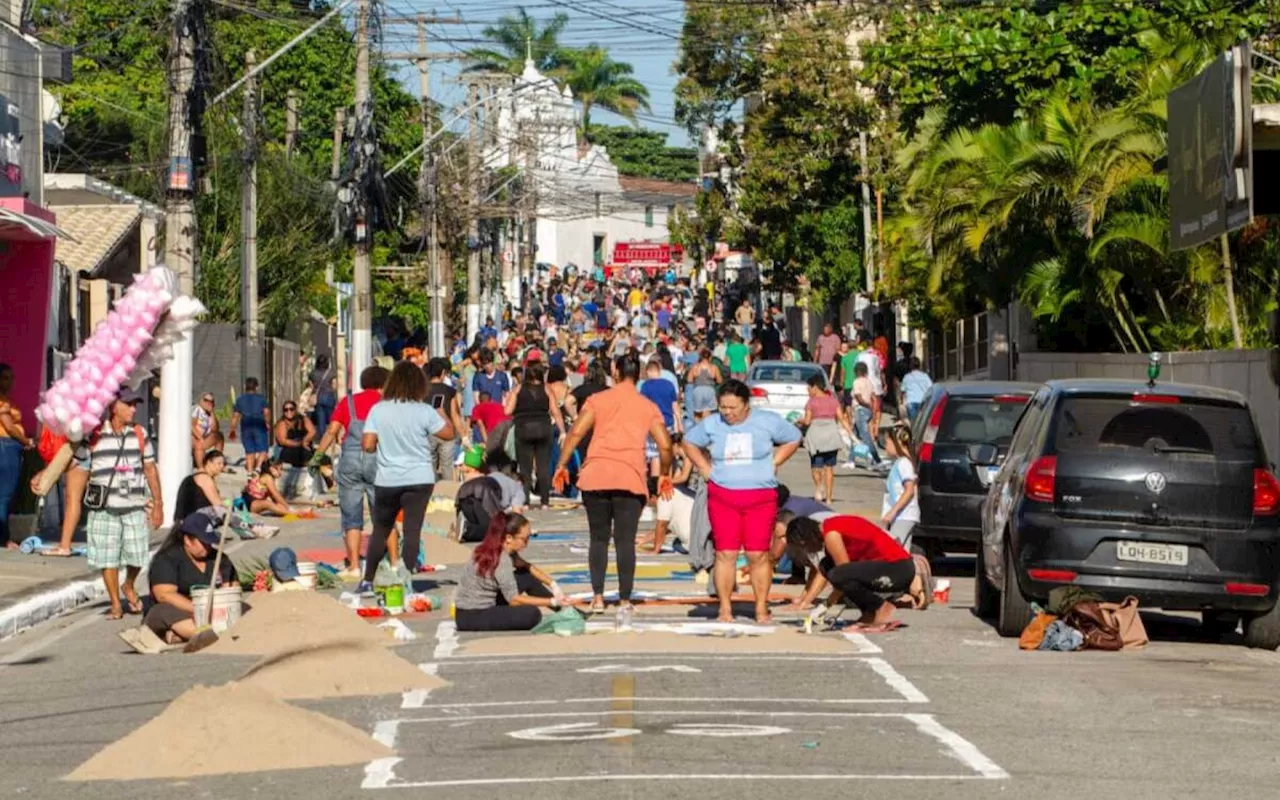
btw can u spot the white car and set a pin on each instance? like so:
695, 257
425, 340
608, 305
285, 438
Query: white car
783, 386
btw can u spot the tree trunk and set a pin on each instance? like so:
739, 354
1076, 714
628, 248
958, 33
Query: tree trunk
1231, 294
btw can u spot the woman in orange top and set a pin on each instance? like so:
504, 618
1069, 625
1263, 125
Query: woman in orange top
13, 440
613, 479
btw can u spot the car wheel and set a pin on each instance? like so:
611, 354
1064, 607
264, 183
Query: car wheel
1015, 609
1262, 631
985, 597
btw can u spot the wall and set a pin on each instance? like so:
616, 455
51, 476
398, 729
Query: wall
1252, 373
20, 69
26, 286
565, 241
217, 356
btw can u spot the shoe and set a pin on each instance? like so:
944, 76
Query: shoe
349, 575
365, 587
679, 547
201, 640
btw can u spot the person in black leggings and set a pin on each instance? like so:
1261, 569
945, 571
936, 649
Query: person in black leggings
533, 411
499, 590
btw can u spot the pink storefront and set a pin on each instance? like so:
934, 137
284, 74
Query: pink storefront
27, 277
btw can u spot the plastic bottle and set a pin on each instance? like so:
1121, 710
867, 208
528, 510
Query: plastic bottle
622, 622
384, 577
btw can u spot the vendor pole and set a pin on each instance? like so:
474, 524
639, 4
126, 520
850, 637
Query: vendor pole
185, 109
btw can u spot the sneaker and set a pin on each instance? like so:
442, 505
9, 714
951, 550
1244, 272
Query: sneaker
679, 547
347, 575
365, 587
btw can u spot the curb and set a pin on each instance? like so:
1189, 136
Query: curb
50, 603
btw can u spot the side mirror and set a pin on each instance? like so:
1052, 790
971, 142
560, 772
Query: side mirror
984, 455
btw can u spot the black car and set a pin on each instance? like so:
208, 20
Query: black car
961, 432
1161, 491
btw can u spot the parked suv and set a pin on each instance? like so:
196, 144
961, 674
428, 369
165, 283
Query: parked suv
1161, 491
961, 432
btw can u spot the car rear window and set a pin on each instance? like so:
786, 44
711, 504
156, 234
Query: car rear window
971, 420
784, 374
1224, 431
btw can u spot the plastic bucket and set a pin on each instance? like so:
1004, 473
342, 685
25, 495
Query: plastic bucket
394, 598
226, 606
306, 574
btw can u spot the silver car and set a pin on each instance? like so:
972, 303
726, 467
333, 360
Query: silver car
783, 386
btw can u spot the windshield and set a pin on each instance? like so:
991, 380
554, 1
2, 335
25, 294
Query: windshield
1116, 423
785, 373
979, 420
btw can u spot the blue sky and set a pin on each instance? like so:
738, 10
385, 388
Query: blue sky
644, 33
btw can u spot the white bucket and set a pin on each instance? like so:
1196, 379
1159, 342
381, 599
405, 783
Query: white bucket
306, 574
226, 606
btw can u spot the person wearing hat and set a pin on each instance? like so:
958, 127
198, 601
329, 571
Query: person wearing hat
183, 562
484, 493
122, 499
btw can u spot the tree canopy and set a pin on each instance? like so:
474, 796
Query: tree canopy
645, 154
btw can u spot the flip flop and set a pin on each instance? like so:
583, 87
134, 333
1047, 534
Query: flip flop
57, 552
133, 606
112, 615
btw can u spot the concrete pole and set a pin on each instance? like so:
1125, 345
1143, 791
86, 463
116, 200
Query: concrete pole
339, 123
436, 289
290, 122
180, 251
868, 266
250, 363
473, 230
362, 294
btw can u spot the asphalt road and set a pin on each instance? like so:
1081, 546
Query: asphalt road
942, 707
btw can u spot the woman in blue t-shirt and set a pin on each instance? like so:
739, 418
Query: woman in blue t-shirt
745, 448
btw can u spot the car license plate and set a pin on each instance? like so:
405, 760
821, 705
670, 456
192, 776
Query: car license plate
1174, 555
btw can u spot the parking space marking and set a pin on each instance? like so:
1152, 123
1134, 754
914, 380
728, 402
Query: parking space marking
380, 773
896, 680
446, 639
835, 701
414, 698
491, 660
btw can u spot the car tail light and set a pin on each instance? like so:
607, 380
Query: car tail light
1252, 589
1158, 399
1041, 478
1052, 575
1007, 399
756, 391
925, 453
1266, 493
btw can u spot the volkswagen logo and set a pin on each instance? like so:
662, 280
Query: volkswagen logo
1155, 482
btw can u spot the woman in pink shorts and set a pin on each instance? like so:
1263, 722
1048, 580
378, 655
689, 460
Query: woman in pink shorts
739, 450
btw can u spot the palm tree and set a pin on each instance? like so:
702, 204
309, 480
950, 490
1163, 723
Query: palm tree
519, 37
597, 80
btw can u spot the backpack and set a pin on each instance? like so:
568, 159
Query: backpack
477, 501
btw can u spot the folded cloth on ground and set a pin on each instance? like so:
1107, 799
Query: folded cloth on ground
566, 622
1061, 636
1064, 598
37, 546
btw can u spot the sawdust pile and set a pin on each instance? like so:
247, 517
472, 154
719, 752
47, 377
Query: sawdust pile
339, 670
229, 729
439, 550
295, 620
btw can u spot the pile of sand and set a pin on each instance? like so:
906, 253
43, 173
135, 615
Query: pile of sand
229, 729
439, 550
295, 620
340, 670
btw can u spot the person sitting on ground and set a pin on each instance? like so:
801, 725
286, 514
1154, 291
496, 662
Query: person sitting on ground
483, 494
199, 489
184, 561
499, 590
674, 514
294, 435
262, 491
205, 435
863, 564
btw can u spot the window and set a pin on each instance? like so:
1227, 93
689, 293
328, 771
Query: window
1090, 424
671, 213
597, 248
648, 216
977, 421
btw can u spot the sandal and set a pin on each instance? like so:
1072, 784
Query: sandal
59, 552
597, 607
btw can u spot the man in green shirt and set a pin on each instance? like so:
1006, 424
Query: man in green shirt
848, 358
737, 354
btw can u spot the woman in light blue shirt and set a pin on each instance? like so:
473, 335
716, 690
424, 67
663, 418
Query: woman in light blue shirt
740, 450
398, 429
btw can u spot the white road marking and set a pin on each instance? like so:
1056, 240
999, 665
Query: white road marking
838, 701
865, 646
683, 777
896, 680
446, 639
385, 732
572, 732
959, 747
414, 698
379, 773
725, 730
670, 713
608, 669
467, 661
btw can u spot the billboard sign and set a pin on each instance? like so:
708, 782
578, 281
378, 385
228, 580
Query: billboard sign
1210, 151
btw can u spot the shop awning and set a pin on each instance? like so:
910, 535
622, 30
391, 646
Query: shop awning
29, 227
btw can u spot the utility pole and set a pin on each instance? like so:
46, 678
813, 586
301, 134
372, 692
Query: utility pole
362, 299
868, 266
339, 124
185, 110
473, 230
529, 265
290, 122
250, 364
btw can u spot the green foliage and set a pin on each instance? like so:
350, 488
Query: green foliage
598, 80
518, 36
994, 62
117, 108
719, 60
644, 154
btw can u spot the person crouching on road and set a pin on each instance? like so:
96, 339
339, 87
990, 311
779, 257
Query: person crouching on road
184, 561
863, 564
499, 590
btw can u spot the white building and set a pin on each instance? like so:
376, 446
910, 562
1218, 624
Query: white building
584, 207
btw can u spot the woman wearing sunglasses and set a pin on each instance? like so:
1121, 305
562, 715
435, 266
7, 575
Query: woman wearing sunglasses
294, 435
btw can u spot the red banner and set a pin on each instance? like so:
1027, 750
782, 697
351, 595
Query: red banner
646, 254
